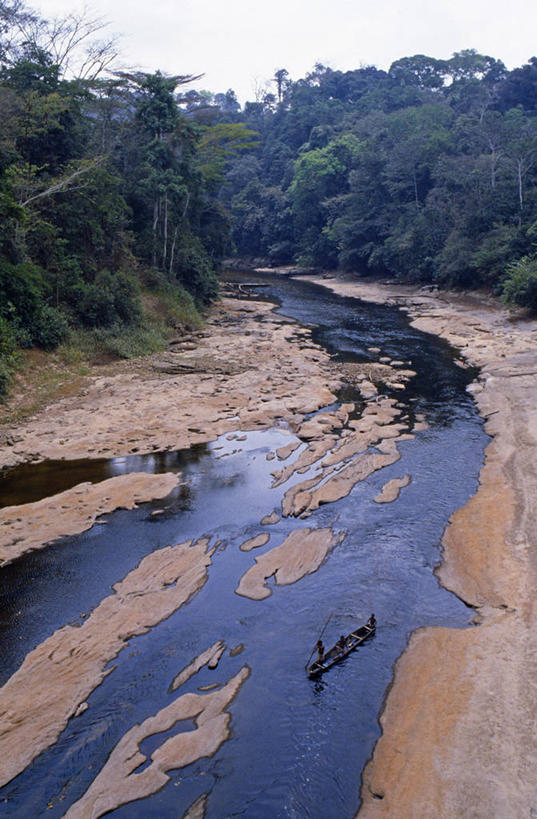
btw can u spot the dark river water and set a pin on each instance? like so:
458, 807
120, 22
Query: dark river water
297, 747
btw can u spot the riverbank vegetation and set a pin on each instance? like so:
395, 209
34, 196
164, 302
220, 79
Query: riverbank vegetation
121, 191
112, 228
426, 172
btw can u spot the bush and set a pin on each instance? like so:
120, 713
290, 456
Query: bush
520, 285
23, 306
130, 342
7, 355
196, 271
108, 300
21, 292
177, 308
51, 327
7, 339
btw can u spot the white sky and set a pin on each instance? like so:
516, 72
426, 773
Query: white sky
237, 43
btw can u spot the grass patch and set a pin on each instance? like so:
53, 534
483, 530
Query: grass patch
174, 307
41, 379
38, 378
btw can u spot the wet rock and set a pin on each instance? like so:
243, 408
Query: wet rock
207, 657
255, 542
271, 519
390, 491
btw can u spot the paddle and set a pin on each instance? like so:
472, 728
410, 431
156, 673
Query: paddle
320, 635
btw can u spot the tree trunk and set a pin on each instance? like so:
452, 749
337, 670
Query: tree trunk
155, 223
172, 252
165, 240
519, 175
416, 189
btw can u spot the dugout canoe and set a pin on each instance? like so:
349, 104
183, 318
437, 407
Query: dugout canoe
337, 653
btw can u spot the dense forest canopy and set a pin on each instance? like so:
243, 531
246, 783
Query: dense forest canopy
426, 172
123, 189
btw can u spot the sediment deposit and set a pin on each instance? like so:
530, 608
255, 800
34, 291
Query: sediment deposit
457, 729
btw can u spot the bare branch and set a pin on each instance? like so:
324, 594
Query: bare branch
64, 183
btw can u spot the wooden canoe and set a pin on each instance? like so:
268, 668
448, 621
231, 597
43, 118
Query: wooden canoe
336, 653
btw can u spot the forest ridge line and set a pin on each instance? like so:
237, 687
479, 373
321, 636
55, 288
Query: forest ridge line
121, 192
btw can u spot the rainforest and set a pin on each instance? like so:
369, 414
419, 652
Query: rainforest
122, 191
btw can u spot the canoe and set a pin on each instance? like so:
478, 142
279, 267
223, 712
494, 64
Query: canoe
336, 654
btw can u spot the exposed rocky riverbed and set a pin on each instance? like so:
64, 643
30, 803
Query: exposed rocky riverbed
457, 722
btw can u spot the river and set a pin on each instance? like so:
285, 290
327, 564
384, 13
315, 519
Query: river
297, 746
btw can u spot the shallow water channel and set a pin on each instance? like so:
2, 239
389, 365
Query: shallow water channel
298, 746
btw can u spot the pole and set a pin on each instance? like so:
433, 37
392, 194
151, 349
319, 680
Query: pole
320, 635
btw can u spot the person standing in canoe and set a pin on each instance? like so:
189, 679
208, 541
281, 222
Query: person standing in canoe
320, 651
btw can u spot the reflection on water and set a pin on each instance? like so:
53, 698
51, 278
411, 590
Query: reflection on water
297, 746
31, 482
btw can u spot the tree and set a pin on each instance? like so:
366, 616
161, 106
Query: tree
281, 78
73, 43
521, 147
420, 71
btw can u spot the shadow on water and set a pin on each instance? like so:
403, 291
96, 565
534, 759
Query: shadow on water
297, 746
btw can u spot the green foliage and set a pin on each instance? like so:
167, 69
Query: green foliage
427, 172
51, 329
109, 300
424, 172
195, 270
218, 143
520, 284
8, 342
22, 304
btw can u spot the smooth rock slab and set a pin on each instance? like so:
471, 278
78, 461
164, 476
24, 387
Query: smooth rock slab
255, 542
301, 553
33, 525
117, 783
39, 699
390, 491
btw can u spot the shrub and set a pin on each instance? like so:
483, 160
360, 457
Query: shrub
50, 328
130, 342
21, 292
7, 355
196, 271
520, 285
109, 299
176, 307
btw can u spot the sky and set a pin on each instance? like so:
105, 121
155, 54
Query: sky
239, 44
